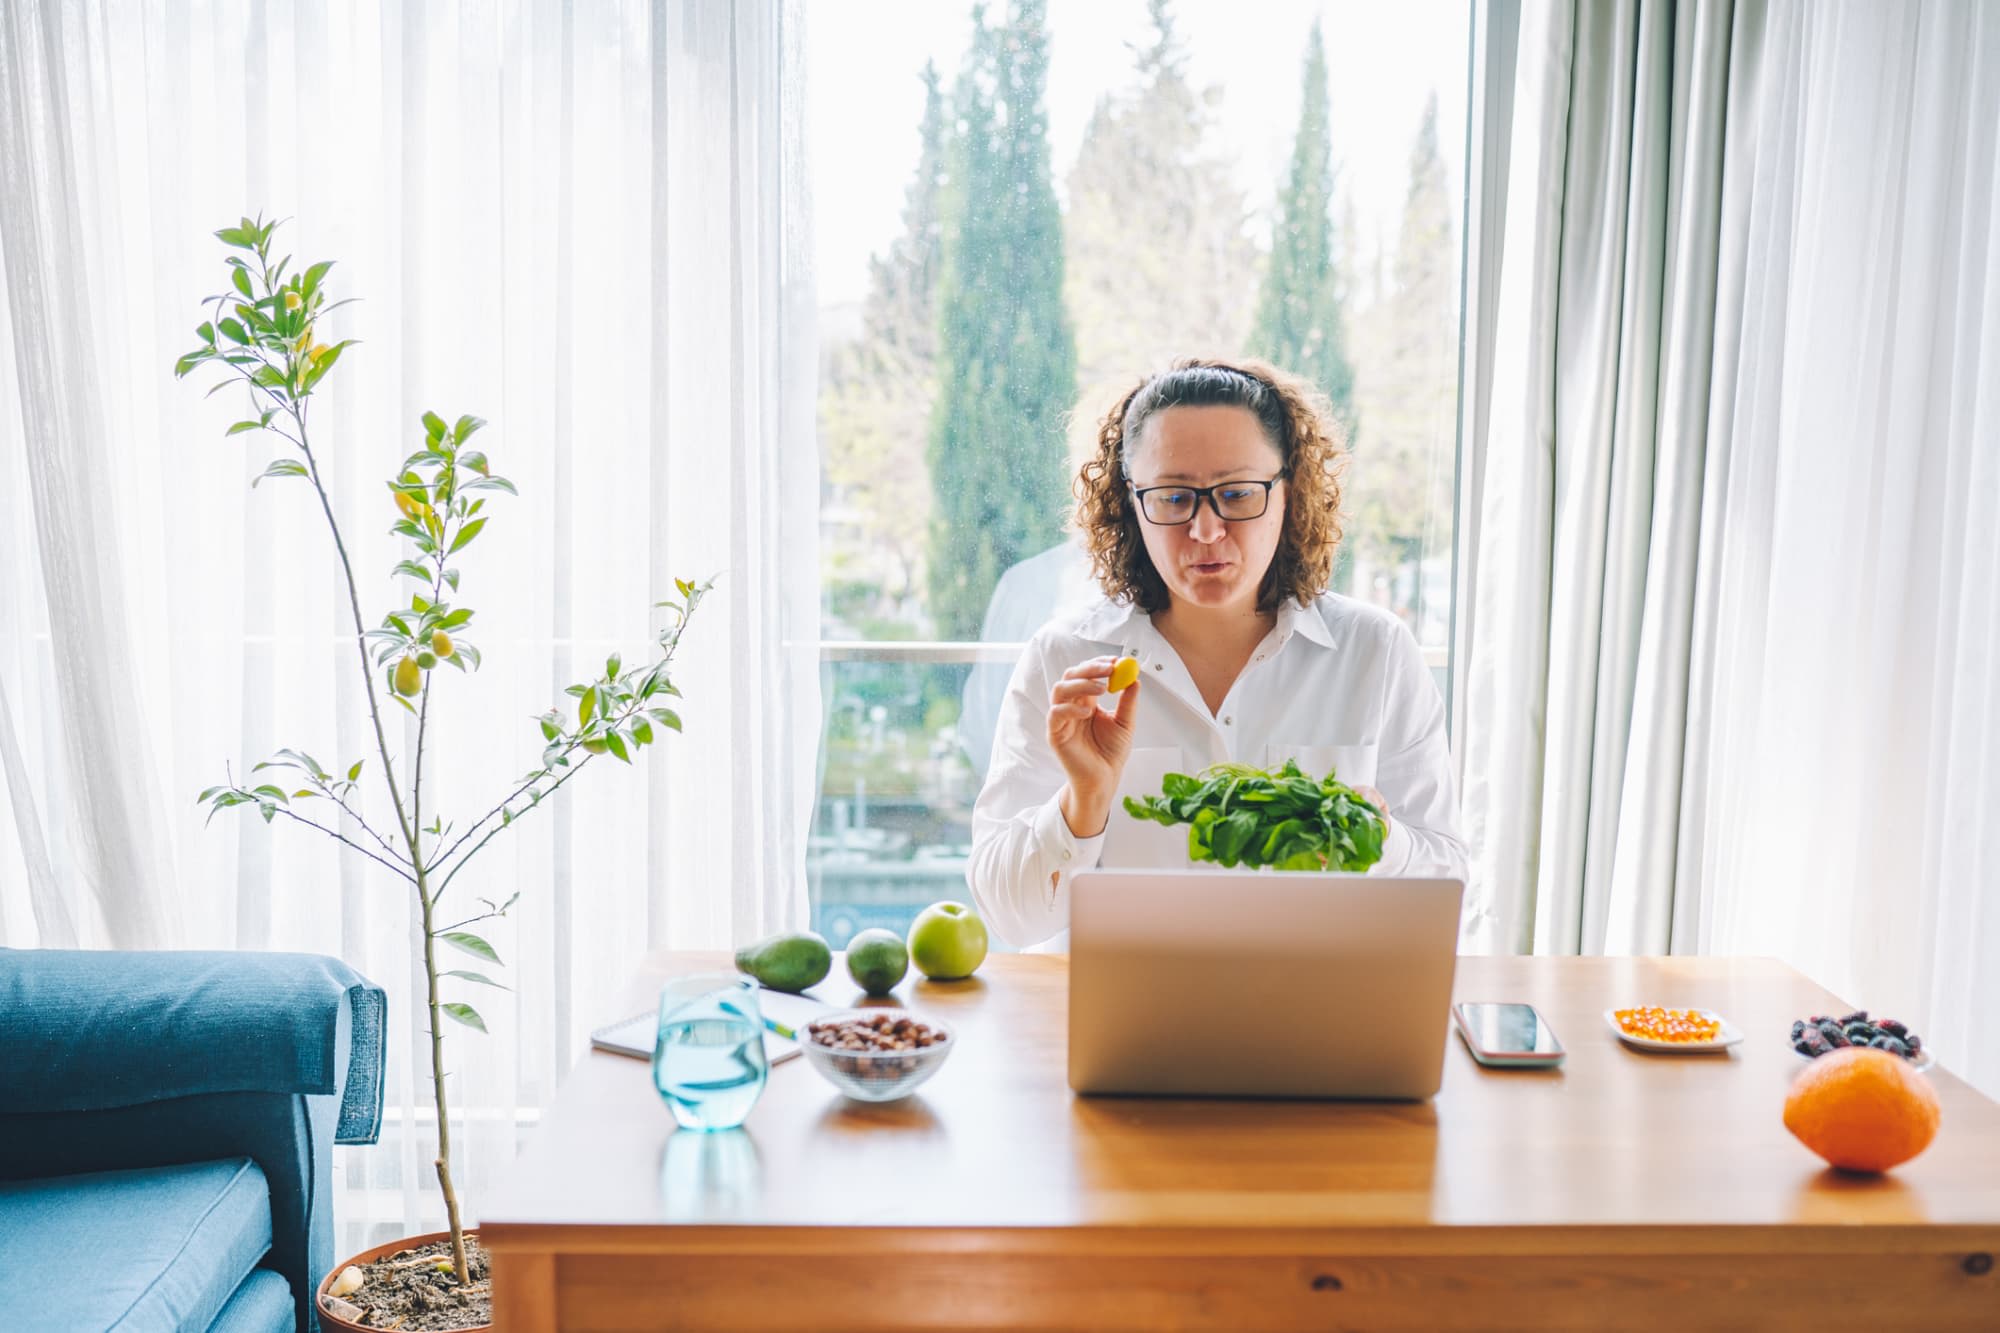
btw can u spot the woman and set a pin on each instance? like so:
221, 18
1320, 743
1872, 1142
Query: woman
1211, 511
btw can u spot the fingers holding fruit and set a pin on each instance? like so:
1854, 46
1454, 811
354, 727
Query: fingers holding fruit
1091, 742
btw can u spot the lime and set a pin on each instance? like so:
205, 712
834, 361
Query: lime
877, 960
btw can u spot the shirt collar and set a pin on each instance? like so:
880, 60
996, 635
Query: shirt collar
1106, 622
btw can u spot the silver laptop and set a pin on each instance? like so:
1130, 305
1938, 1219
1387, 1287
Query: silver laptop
1237, 983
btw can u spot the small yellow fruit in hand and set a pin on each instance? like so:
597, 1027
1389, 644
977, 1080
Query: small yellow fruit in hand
409, 677
441, 644
1123, 674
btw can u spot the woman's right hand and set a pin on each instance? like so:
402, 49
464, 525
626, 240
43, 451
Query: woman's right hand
1091, 744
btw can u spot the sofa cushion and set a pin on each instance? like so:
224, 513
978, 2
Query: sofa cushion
263, 1304
91, 1029
161, 1248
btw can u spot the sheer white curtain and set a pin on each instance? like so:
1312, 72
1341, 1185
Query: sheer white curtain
584, 223
1849, 608
1728, 673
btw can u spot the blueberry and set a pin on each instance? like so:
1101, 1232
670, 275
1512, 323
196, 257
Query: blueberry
1858, 1016
1913, 1043
1815, 1042
1891, 1045
1798, 1029
1892, 1027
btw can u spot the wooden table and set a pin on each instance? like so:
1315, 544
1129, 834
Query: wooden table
1623, 1190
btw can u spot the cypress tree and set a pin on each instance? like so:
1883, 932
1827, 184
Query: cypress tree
1006, 353
1301, 324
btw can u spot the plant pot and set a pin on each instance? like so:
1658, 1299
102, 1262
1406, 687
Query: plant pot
329, 1320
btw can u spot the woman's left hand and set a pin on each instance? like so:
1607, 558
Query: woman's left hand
1380, 802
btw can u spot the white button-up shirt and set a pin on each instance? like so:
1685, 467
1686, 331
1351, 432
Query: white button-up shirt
1339, 685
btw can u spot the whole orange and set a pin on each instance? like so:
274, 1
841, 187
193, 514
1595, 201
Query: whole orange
1862, 1109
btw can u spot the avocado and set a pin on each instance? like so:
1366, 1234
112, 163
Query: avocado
788, 962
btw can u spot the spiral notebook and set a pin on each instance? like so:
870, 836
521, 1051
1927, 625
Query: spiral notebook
635, 1036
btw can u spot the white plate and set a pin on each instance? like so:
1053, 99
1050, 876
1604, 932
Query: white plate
1728, 1037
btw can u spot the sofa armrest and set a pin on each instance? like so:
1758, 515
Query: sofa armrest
87, 1030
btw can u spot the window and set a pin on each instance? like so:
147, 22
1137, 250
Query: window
1022, 207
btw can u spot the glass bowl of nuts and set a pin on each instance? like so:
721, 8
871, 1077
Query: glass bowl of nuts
876, 1055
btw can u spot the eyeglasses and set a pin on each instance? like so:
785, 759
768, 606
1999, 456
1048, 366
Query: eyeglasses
1233, 501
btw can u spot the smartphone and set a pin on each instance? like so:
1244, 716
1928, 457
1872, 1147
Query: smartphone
1507, 1036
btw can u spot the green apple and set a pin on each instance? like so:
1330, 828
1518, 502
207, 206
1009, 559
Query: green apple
947, 941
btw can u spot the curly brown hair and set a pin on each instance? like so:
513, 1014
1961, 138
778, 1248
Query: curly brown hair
1299, 422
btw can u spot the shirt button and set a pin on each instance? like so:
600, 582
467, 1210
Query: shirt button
1065, 856
1159, 666
1228, 721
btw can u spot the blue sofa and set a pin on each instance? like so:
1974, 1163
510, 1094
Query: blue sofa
167, 1123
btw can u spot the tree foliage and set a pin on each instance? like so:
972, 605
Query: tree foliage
1006, 353
1159, 262
1301, 320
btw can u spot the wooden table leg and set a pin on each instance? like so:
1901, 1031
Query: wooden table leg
524, 1291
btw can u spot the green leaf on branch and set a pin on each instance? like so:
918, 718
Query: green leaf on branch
456, 618
465, 1014
589, 705
666, 717
241, 427
465, 427
611, 667
434, 426
284, 467
471, 943
466, 534
354, 773
310, 283
617, 744
413, 569
642, 731
234, 331
479, 977
241, 277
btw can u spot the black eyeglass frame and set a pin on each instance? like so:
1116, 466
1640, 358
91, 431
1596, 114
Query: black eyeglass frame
1207, 493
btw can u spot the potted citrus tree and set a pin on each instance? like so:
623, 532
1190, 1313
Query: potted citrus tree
267, 334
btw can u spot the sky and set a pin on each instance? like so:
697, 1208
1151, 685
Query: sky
1384, 58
